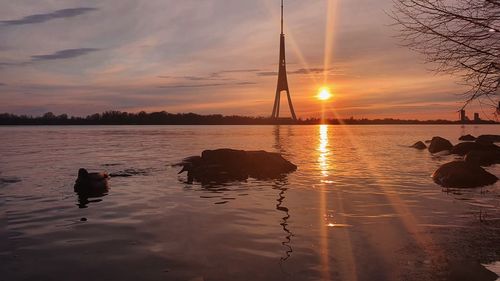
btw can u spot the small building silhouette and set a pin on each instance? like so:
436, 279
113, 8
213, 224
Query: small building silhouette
463, 116
476, 117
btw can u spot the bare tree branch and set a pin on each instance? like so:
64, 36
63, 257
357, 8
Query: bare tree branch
460, 37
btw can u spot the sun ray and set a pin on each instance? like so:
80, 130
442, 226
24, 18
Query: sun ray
408, 220
331, 17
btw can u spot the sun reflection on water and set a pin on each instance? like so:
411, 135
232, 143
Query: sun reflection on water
324, 151
324, 167
332, 227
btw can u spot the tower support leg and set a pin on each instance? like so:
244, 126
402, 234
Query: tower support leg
292, 111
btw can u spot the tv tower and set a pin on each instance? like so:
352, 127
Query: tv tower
282, 79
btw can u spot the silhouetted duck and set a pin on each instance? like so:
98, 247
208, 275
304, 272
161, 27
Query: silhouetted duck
91, 182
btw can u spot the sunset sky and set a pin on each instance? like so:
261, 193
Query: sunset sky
212, 56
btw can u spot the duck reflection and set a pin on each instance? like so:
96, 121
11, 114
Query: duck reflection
90, 187
84, 199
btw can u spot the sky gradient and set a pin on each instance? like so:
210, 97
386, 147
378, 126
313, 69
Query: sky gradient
213, 56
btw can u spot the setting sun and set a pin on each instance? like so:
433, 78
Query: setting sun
324, 94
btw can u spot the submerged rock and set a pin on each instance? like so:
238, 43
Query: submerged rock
465, 147
419, 145
488, 138
9, 180
439, 144
120, 174
467, 138
460, 174
129, 173
224, 165
470, 270
483, 157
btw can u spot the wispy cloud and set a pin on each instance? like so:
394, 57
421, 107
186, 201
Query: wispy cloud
64, 54
196, 78
40, 18
309, 71
300, 71
267, 73
236, 71
177, 86
214, 76
59, 55
6, 64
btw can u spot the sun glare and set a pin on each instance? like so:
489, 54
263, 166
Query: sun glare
324, 94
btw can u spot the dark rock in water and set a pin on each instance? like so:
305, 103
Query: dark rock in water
470, 270
439, 144
120, 175
9, 180
467, 138
111, 164
136, 172
129, 173
483, 157
488, 138
419, 145
91, 182
460, 174
465, 147
224, 165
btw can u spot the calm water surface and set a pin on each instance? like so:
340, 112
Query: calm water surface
361, 206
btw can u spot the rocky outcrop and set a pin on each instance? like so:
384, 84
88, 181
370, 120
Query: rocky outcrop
224, 165
460, 174
488, 139
439, 144
467, 138
465, 147
483, 157
419, 145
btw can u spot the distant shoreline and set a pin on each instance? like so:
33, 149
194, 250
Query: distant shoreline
191, 119
246, 124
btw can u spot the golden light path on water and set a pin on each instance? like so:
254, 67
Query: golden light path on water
323, 154
326, 221
409, 221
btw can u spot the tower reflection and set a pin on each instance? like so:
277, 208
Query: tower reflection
280, 204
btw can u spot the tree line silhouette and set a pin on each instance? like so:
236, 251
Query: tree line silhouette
165, 118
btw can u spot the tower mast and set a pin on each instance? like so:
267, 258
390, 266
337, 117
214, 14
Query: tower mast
281, 16
282, 77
